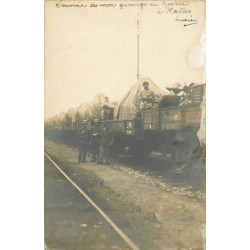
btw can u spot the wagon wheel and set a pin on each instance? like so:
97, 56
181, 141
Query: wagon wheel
180, 166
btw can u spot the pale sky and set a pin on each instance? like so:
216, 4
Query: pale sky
88, 51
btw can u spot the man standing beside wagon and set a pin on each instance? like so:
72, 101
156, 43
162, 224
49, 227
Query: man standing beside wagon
95, 140
107, 140
84, 137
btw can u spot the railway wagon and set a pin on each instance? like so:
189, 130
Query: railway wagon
168, 132
164, 131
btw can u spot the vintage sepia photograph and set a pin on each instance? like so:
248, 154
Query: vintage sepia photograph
125, 125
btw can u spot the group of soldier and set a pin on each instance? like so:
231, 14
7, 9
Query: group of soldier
95, 138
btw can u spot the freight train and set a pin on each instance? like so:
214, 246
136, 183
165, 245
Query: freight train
167, 132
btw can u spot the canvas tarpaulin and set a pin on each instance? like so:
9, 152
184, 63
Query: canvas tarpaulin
85, 110
94, 109
130, 103
60, 117
82, 109
71, 112
56, 119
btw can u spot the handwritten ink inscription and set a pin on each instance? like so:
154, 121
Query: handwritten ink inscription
181, 9
186, 21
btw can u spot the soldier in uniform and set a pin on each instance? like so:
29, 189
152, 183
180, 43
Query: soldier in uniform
84, 137
107, 140
106, 109
90, 121
95, 140
147, 97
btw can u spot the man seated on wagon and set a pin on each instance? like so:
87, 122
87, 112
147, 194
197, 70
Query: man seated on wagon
147, 97
106, 109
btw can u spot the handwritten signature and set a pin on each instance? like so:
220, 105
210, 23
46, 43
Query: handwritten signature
188, 21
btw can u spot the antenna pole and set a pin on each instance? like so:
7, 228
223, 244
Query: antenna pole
138, 47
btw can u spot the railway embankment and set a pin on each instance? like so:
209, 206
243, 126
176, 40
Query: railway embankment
172, 216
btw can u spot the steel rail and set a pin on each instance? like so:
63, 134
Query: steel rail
113, 225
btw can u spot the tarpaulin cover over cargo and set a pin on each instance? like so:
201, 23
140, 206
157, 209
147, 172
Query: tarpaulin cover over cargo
55, 120
94, 109
60, 117
130, 103
82, 110
71, 112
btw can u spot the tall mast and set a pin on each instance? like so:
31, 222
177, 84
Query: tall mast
138, 47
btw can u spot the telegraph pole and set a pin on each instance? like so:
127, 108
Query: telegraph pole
138, 47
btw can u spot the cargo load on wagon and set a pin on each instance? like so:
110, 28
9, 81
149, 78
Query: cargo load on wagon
82, 110
129, 106
95, 107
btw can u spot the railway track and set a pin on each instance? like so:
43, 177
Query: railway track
87, 198
151, 212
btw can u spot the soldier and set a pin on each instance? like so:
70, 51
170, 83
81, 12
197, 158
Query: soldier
95, 140
147, 97
106, 109
107, 140
84, 137
90, 121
